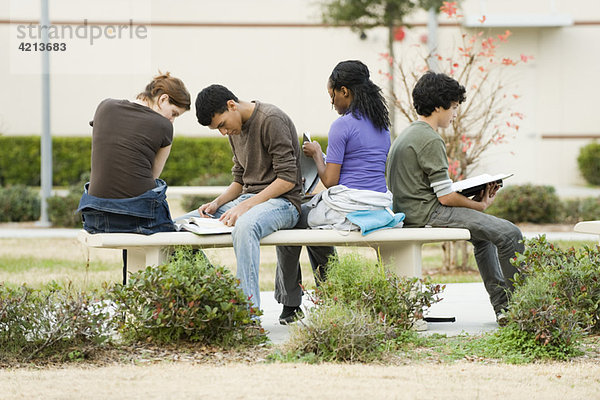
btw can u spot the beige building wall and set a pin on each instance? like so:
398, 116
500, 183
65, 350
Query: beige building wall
278, 51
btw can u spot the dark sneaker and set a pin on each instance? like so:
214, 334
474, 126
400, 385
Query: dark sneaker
290, 315
501, 318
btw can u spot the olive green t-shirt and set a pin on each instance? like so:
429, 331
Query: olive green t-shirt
417, 159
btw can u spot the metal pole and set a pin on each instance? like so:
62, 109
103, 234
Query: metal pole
432, 26
46, 139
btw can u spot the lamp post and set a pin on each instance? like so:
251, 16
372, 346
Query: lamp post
46, 139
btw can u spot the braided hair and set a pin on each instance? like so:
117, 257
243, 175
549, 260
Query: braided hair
367, 100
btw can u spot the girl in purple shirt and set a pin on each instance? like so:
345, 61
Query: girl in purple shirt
359, 141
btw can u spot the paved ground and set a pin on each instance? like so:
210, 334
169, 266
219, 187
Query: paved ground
467, 302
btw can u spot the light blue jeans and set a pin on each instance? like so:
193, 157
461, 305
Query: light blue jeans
258, 222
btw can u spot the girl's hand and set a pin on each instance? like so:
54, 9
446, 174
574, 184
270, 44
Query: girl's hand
311, 149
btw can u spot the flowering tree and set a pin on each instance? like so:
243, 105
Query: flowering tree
485, 118
362, 15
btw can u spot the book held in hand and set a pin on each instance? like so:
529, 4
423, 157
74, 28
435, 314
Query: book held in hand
473, 186
308, 169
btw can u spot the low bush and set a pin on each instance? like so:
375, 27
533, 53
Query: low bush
589, 163
192, 202
337, 332
19, 203
61, 210
576, 210
367, 285
50, 322
186, 300
557, 294
527, 203
358, 309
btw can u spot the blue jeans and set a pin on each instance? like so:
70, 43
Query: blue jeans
147, 213
495, 242
258, 222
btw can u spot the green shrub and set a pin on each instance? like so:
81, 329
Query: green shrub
192, 202
398, 301
48, 321
557, 293
338, 332
213, 179
186, 300
589, 163
358, 309
193, 161
527, 203
576, 210
61, 211
19, 203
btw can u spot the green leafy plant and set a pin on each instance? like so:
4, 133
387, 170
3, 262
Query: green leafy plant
62, 209
576, 210
19, 203
359, 309
557, 294
38, 323
527, 203
589, 163
337, 332
186, 300
397, 301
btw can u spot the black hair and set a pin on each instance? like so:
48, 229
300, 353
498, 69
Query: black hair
436, 90
367, 100
212, 100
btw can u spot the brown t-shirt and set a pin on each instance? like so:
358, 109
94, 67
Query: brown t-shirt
267, 149
125, 139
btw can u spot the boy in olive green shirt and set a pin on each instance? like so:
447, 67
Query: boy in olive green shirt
417, 174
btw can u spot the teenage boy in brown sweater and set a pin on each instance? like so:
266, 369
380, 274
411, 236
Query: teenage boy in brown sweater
266, 189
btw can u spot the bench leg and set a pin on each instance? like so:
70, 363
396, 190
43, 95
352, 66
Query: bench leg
404, 258
140, 258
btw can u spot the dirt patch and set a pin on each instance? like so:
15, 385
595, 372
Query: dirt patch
183, 380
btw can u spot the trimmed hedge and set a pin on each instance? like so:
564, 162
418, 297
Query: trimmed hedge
527, 203
589, 163
190, 159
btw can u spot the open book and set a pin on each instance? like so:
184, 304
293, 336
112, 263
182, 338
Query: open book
308, 169
203, 226
472, 186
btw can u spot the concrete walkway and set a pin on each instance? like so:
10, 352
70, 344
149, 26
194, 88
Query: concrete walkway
467, 302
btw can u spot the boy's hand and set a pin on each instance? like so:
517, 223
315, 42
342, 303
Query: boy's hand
231, 216
486, 196
206, 210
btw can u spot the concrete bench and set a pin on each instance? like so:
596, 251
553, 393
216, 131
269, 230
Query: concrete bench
592, 227
399, 249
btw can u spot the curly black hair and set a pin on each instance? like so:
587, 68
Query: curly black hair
436, 90
212, 100
367, 99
